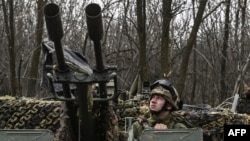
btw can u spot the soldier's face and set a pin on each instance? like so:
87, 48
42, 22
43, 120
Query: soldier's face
156, 103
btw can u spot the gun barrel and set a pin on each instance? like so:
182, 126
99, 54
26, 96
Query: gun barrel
94, 21
53, 21
95, 30
55, 31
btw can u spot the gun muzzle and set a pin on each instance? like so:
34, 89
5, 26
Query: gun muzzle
94, 21
55, 31
53, 21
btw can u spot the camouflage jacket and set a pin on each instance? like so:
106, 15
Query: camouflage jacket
152, 121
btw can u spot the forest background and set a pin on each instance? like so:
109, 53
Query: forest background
202, 46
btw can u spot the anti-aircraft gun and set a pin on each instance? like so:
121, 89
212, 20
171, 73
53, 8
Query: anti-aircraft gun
75, 78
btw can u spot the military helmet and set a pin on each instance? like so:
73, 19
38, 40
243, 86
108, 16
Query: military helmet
164, 88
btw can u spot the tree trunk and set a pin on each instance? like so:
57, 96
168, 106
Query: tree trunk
165, 49
33, 74
141, 30
10, 31
194, 61
224, 53
189, 47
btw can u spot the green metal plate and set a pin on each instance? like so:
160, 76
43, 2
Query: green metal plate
26, 135
191, 134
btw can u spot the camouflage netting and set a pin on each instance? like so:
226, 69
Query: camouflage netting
211, 120
130, 109
27, 113
109, 121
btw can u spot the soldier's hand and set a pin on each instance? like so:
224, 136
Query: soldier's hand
160, 126
141, 119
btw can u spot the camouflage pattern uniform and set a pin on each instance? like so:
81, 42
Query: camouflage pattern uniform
169, 121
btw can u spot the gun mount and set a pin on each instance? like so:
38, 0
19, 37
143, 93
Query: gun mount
77, 73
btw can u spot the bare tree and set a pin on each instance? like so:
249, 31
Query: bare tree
34, 69
142, 74
141, 29
194, 61
189, 47
224, 53
243, 63
10, 31
165, 41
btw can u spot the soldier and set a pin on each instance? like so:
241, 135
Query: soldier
163, 100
